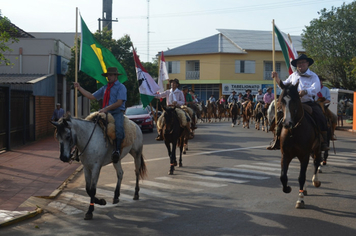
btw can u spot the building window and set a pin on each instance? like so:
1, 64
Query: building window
269, 69
173, 67
247, 67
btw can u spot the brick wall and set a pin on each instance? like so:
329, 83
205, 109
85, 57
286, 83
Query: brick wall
43, 113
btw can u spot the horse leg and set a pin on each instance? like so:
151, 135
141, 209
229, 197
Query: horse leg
119, 174
284, 169
184, 142
91, 178
317, 160
140, 169
173, 159
301, 179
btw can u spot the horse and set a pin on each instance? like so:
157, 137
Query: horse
299, 138
95, 152
235, 112
246, 114
221, 110
259, 116
175, 134
331, 119
211, 111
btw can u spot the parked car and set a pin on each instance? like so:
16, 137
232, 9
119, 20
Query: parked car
143, 117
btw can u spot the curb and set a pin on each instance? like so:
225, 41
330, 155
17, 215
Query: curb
29, 215
39, 210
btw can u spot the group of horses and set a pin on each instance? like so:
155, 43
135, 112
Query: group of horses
299, 138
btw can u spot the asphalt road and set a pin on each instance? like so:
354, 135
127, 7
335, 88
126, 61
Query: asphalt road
228, 185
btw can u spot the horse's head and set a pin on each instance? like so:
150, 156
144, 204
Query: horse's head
66, 137
291, 105
169, 117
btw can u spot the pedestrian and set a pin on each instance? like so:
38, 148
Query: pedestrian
114, 96
308, 88
57, 113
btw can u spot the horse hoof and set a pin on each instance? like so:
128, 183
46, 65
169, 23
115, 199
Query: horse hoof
88, 216
319, 170
102, 202
184, 152
317, 184
115, 201
180, 164
305, 192
170, 172
287, 189
300, 205
136, 197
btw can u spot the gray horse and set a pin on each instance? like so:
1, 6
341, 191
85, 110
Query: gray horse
95, 152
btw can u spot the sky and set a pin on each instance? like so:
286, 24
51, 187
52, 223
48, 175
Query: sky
170, 23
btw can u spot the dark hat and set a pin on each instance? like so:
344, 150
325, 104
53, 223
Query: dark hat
259, 90
112, 71
248, 90
212, 95
302, 57
321, 78
58, 104
240, 94
234, 91
184, 87
174, 80
269, 88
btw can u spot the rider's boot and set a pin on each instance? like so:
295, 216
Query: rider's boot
160, 135
324, 145
116, 153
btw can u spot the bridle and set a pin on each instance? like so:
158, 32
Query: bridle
74, 153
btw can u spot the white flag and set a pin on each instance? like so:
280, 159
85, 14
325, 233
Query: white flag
163, 74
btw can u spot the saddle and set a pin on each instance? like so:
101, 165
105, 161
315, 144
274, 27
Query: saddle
107, 124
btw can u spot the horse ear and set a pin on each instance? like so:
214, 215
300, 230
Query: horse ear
281, 85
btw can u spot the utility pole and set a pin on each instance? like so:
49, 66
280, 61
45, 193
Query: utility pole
148, 30
107, 15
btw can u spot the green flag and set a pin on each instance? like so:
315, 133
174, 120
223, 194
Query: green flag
95, 59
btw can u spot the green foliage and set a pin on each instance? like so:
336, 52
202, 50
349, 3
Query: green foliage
6, 37
329, 40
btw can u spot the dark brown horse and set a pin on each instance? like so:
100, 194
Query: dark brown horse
299, 138
234, 112
211, 111
247, 114
221, 111
174, 134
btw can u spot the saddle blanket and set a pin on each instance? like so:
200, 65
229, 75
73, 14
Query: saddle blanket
109, 128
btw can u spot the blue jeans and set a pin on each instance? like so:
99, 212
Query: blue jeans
119, 125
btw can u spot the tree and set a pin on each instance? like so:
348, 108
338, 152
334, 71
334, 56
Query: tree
330, 41
7, 36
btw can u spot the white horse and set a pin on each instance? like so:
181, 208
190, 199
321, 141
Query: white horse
95, 152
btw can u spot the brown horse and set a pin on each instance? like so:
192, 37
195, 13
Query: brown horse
247, 114
299, 138
211, 111
235, 112
221, 111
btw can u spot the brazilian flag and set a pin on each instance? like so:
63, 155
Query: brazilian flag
95, 59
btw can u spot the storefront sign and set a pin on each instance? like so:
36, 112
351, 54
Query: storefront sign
240, 88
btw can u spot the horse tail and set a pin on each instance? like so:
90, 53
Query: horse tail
143, 169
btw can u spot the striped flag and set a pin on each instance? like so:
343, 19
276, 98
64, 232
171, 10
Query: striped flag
95, 59
289, 52
163, 73
147, 86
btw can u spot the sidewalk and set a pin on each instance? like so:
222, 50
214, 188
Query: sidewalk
32, 170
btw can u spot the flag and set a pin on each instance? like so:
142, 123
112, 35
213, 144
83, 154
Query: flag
95, 59
289, 52
147, 86
163, 74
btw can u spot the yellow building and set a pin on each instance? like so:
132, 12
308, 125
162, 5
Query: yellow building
230, 60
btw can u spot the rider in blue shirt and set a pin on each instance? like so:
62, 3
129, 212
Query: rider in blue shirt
114, 96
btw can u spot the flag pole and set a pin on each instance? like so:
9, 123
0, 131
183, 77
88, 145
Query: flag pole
76, 63
274, 69
159, 70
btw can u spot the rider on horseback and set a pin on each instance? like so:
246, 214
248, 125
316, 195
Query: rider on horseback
114, 96
174, 98
308, 87
267, 98
231, 98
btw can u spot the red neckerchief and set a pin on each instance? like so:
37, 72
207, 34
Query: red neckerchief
319, 94
107, 94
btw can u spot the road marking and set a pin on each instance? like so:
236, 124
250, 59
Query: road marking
255, 171
166, 186
217, 179
184, 181
200, 153
215, 173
